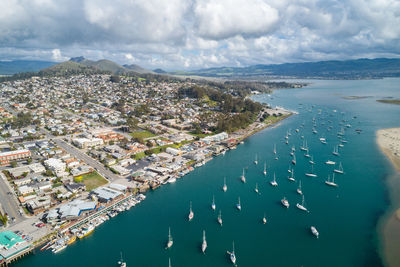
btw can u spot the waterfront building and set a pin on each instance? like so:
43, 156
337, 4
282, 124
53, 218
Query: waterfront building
11, 244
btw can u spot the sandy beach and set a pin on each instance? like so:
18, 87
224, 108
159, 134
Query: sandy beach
389, 142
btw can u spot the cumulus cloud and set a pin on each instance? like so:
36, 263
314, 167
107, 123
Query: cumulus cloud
178, 34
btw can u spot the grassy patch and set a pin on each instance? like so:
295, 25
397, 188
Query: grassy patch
273, 119
140, 155
142, 134
91, 180
200, 135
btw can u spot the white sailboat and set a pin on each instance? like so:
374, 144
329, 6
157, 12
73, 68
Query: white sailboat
299, 191
264, 219
294, 159
232, 255
330, 162
170, 241
331, 183
243, 178
191, 214
335, 151
311, 174
314, 231
273, 182
265, 168
291, 178
285, 202
307, 155
256, 189
323, 140
340, 169
204, 244
224, 187
169, 262
312, 160
238, 206
213, 206
302, 206
274, 149
304, 146
121, 262
256, 161
219, 219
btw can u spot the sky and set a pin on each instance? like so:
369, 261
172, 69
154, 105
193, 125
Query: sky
195, 34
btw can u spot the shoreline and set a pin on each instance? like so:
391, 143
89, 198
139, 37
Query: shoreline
388, 141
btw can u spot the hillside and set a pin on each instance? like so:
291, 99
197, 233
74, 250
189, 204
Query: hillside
68, 68
16, 66
348, 69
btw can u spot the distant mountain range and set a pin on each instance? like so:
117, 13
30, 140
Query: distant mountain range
17, 66
348, 69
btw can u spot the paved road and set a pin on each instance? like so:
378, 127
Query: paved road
88, 160
9, 202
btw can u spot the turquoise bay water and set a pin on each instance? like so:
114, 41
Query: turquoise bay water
345, 217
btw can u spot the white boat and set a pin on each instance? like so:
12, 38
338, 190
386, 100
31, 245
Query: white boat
311, 174
307, 155
285, 202
314, 231
172, 180
312, 160
274, 149
219, 219
293, 148
304, 146
301, 206
314, 131
264, 219
289, 169
330, 162
121, 262
265, 168
294, 159
291, 178
238, 206
256, 161
213, 206
243, 178
232, 255
191, 214
323, 140
169, 262
340, 169
224, 187
331, 183
335, 151
299, 191
58, 248
256, 189
170, 241
204, 244
273, 182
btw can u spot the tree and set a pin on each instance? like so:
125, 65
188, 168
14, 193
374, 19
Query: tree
13, 164
132, 123
115, 79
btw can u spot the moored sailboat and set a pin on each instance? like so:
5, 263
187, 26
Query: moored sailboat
238, 205
340, 169
299, 191
285, 202
232, 255
311, 174
204, 244
331, 183
213, 206
170, 241
302, 206
243, 178
273, 182
219, 219
224, 187
191, 213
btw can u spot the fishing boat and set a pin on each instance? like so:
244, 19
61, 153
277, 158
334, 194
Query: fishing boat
311, 174
191, 214
294, 159
335, 151
58, 248
264, 219
170, 241
86, 231
213, 206
71, 240
314, 231
256, 161
238, 206
204, 244
265, 168
243, 178
172, 180
340, 169
302, 206
285, 202
330, 162
291, 178
312, 160
299, 191
219, 219
121, 262
273, 182
232, 255
256, 189
331, 183
224, 187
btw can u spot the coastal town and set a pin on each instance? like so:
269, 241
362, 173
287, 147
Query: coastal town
76, 151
